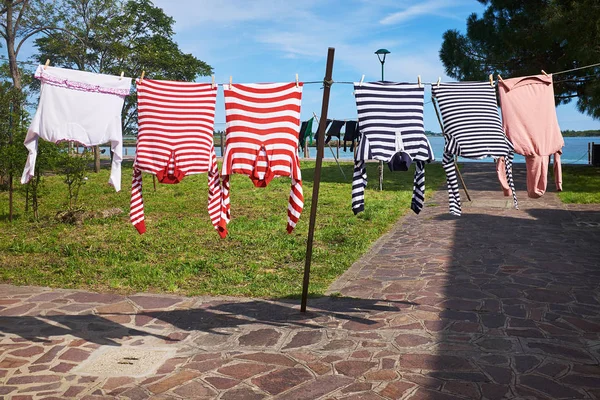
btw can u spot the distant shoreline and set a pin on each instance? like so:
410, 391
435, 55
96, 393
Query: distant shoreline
566, 133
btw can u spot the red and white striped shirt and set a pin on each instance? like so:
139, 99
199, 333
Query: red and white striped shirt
175, 139
262, 124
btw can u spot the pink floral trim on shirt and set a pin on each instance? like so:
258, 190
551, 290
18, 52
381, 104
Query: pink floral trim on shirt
85, 87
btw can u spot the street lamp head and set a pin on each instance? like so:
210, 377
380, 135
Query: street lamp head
381, 52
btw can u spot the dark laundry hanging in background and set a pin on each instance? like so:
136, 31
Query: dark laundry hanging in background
335, 130
305, 132
351, 134
327, 125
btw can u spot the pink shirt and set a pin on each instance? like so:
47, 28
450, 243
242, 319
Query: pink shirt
529, 115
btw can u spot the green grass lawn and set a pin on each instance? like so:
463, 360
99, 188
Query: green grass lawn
181, 252
581, 184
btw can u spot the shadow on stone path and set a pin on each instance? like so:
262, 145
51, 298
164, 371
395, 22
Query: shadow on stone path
499, 303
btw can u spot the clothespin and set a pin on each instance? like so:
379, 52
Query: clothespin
361, 80
212, 85
142, 77
122, 73
230, 82
544, 72
439, 80
491, 80
419, 81
47, 63
297, 83
500, 78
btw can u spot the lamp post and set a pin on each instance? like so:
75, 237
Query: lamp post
381, 53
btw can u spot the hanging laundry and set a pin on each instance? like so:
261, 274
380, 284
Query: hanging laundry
530, 122
305, 132
328, 123
335, 130
262, 123
385, 110
81, 107
472, 129
175, 139
351, 134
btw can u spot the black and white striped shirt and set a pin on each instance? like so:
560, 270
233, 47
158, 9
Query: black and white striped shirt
385, 108
472, 129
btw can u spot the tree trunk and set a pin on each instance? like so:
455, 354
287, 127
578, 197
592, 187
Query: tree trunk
10, 46
96, 159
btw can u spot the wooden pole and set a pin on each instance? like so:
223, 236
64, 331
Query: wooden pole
327, 82
455, 163
10, 172
462, 182
222, 144
306, 150
380, 175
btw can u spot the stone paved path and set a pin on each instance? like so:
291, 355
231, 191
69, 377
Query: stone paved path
496, 304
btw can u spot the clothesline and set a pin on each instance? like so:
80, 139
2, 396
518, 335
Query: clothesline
576, 69
4, 58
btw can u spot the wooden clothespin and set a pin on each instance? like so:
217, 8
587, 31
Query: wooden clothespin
47, 63
544, 72
230, 82
142, 77
212, 81
439, 81
122, 74
500, 78
297, 83
491, 80
361, 80
419, 81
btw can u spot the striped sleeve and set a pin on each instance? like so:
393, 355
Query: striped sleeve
136, 206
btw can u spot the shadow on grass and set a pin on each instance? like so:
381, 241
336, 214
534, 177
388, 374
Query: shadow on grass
16, 217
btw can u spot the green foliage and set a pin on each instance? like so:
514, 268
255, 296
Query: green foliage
12, 131
522, 37
571, 133
581, 184
181, 252
73, 167
114, 36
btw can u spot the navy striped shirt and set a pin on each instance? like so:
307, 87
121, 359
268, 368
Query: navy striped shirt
385, 109
472, 129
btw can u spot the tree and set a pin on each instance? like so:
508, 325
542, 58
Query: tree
21, 20
522, 37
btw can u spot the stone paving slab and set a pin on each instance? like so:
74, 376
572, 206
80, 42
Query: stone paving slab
496, 304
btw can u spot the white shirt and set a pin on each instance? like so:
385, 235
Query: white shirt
82, 107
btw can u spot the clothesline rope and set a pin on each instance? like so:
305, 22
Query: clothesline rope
579, 78
576, 69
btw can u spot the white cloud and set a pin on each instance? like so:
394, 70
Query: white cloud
431, 7
194, 13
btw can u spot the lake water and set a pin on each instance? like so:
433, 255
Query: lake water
574, 152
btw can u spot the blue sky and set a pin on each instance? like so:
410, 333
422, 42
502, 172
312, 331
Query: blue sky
272, 40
